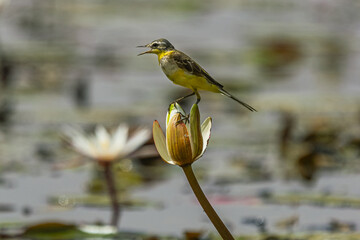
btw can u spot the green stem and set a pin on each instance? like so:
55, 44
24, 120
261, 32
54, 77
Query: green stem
112, 192
209, 210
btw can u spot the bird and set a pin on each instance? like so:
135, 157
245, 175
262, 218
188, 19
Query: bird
184, 71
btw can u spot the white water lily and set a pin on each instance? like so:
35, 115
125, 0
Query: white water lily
185, 141
104, 146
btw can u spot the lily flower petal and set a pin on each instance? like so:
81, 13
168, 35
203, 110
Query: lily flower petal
103, 137
206, 132
96, 146
119, 139
196, 138
83, 146
174, 108
79, 142
160, 143
178, 141
136, 140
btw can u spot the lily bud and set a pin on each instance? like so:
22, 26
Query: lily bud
185, 141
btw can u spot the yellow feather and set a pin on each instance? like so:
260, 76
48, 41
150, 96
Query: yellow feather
163, 54
193, 82
180, 77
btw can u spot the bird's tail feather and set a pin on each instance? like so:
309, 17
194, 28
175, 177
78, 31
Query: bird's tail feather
224, 92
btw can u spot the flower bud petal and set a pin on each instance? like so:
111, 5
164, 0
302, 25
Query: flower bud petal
206, 132
196, 138
160, 143
174, 108
178, 141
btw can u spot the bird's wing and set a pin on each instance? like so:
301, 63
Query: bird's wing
187, 64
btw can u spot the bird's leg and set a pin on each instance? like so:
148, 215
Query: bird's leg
185, 118
182, 98
198, 98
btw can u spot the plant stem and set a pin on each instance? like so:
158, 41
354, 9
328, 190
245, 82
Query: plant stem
112, 193
209, 210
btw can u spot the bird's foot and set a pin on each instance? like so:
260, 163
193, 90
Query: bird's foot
184, 118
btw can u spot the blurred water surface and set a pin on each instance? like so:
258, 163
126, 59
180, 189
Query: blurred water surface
75, 63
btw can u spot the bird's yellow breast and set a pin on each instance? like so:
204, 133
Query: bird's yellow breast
180, 77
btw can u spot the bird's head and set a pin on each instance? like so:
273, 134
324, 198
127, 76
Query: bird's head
158, 46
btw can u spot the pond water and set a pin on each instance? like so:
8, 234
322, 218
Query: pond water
313, 76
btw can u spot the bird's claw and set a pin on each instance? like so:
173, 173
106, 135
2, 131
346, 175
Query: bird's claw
184, 118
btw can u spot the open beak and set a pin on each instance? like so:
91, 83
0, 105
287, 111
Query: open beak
150, 51
147, 45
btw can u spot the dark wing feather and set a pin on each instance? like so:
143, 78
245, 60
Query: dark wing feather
185, 62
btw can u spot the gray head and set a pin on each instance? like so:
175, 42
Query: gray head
158, 46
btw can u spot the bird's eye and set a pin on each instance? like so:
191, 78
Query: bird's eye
155, 45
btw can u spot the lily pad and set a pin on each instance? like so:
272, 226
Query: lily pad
99, 201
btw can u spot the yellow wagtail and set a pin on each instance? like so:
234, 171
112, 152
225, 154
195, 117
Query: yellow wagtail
184, 71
